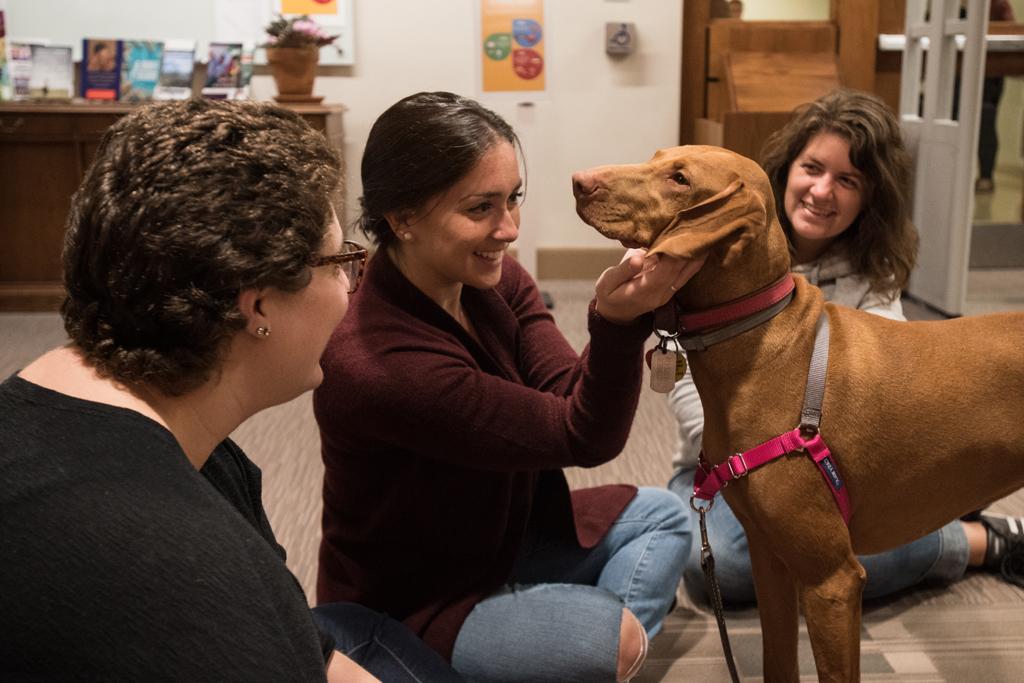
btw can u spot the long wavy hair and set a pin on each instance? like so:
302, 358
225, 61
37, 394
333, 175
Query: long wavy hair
882, 242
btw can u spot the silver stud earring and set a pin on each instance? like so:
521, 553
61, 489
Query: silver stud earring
263, 331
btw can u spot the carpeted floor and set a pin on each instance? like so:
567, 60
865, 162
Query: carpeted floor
973, 630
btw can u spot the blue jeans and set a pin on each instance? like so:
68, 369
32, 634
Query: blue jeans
382, 645
941, 555
559, 618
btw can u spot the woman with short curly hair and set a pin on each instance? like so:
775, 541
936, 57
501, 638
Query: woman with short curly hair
205, 270
185, 207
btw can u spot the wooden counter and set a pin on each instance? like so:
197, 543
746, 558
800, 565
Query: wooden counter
44, 151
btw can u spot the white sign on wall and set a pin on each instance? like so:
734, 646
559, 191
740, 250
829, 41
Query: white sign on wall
245, 21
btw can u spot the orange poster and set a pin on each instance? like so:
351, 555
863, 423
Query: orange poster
309, 6
512, 53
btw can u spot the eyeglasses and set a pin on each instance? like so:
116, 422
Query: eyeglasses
351, 259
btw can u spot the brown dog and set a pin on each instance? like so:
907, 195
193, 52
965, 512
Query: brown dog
925, 419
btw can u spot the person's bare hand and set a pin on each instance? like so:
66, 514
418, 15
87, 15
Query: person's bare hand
641, 283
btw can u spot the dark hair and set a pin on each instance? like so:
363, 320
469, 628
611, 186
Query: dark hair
186, 204
418, 148
882, 242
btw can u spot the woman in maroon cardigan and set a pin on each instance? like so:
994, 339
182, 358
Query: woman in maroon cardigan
449, 405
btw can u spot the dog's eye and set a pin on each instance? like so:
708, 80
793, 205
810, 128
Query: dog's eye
679, 178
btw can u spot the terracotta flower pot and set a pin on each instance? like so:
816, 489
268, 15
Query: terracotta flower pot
293, 68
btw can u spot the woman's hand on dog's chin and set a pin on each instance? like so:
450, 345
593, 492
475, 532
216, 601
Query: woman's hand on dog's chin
641, 283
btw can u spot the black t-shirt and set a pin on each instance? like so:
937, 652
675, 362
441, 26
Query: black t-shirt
119, 561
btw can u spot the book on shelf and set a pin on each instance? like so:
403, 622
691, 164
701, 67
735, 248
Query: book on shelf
5, 79
40, 72
223, 71
19, 66
248, 53
101, 68
52, 73
176, 69
140, 69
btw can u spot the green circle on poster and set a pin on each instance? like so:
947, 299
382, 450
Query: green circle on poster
497, 46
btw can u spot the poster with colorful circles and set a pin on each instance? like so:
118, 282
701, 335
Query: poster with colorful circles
512, 53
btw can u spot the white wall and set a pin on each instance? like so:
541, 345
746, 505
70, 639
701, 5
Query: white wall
596, 109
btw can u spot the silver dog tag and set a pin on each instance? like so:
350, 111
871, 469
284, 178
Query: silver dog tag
663, 370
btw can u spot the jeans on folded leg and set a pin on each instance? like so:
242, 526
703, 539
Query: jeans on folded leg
941, 555
559, 619
381, 645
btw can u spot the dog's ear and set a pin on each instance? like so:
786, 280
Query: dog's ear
733, 213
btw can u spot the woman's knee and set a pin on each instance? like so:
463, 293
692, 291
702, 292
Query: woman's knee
664, 508
632, 647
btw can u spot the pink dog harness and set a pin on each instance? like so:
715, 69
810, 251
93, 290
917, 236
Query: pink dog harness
710, 480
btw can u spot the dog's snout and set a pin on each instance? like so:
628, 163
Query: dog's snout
583, 183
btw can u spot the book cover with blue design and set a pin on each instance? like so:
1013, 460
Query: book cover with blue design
140, 69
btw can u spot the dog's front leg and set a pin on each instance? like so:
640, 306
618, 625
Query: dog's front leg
832, 609
779, 610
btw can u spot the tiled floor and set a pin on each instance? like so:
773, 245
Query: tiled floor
1004, 204
1000, 289
925, 644
994, 290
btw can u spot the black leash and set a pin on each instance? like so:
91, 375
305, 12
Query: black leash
707, 563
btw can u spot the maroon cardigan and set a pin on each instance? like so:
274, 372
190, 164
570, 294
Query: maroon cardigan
440, 451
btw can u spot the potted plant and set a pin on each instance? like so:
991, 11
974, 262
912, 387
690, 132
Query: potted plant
293, 50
